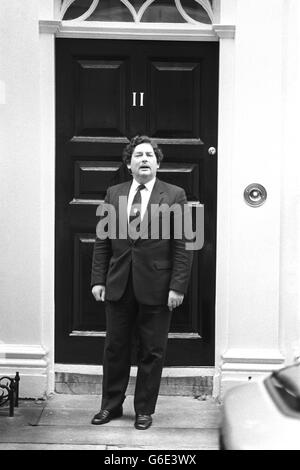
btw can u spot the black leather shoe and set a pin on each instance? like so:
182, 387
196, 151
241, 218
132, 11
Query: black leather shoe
104, 416
142, 421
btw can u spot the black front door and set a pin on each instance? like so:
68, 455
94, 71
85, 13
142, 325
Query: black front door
107, 92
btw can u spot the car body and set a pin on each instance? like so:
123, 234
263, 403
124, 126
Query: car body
263, 415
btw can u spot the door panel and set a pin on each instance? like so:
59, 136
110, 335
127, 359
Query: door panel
166, 79
101, 85
96, 117
91, 178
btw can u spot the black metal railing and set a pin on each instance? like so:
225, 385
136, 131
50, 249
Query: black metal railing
9, 392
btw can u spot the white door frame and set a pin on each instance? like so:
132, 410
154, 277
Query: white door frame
225, 34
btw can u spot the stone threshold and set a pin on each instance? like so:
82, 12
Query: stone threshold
79, 379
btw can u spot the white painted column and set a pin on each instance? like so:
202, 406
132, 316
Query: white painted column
225, 150
290, 182
248, 250
22, 345
48, 9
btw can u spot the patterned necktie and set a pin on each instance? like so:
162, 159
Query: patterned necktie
135, 210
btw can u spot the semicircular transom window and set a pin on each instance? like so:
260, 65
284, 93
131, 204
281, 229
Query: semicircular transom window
138, 11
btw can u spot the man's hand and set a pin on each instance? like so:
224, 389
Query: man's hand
175, 299
99, 293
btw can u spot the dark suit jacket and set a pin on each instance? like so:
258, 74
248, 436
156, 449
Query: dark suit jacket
158, 265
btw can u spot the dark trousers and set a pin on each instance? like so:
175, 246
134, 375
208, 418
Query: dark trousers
151, 324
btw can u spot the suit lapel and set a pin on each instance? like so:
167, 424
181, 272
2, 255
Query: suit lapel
121, 205
155, 200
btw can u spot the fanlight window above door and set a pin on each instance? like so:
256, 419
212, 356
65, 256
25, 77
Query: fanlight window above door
138, 11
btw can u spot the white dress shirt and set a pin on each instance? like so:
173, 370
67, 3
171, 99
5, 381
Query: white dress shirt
145, 196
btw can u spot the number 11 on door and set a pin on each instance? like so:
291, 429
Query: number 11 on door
134, 99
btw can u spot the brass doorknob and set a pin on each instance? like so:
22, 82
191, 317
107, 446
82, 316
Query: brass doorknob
212, 151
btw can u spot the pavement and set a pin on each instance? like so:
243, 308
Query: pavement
63, 422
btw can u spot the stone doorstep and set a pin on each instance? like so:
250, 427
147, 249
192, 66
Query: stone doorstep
181, 384
63, 421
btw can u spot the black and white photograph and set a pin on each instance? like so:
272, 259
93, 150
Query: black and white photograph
150, 227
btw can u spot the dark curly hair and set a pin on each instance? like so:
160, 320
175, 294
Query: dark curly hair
137, 140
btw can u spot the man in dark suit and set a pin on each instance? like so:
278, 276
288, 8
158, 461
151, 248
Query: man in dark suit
142, 277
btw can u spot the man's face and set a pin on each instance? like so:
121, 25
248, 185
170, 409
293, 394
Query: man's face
143, 164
